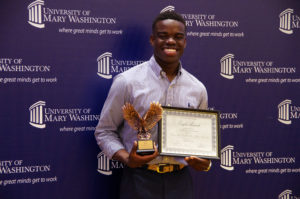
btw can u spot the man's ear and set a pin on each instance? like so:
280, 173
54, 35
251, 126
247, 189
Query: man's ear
152, 40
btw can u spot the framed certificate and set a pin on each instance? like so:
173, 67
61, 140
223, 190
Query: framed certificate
189, 132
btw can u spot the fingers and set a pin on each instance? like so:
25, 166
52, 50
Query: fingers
136, 160
199, 164
150, 157
134, 147
156, 150
147, 158
195, 159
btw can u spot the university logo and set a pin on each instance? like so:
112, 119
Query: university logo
40, 115
35, 14
167, 9
105, 165
288, 21
284, 112
206, 20
230, 66
226, 158
226, 66
231, 158
287, 111
287, 194
37, 115
108, 66
104, 65
39, 15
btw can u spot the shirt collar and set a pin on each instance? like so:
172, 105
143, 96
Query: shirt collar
158, 70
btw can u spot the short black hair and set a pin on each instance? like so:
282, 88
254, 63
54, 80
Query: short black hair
168, 15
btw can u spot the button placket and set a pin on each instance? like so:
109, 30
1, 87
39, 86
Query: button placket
170, 95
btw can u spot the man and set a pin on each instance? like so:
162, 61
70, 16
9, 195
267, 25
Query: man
161, 79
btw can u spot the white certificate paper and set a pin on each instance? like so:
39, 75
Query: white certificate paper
185, 132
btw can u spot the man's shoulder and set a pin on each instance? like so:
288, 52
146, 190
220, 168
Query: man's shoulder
191, 78
134, 73
134, 70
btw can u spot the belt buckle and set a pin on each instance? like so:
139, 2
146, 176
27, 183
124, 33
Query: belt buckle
160, 168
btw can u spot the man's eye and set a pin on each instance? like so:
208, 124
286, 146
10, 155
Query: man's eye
179, 37
163, 37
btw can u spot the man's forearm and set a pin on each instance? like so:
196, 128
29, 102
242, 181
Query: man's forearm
132, 159
122, 155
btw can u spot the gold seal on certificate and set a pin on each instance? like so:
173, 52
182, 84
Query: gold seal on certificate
189, 132
143, 125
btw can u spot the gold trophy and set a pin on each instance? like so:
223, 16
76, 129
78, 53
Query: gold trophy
143, 125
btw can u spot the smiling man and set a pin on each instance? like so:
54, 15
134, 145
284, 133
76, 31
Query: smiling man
162, 79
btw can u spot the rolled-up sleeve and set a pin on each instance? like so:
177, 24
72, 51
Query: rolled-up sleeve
111, 119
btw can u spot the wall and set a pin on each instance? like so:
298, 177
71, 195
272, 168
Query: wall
57, 61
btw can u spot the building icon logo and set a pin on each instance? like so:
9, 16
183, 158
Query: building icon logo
284, 112
285, 25
105, 165
226, 158
37, 115
226, 66
104, 65
168, 9
288, 21
35, 14
287, 194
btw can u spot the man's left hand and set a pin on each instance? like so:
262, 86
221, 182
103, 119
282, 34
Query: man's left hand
198, 164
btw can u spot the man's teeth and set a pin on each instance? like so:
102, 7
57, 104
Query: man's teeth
170, 50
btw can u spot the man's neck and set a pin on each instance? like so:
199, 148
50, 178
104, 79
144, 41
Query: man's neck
171, 70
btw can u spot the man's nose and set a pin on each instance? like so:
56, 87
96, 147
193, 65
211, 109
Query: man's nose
171, 40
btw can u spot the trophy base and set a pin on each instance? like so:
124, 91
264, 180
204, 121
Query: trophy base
145, 147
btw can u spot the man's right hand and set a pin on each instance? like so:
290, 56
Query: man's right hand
132, 159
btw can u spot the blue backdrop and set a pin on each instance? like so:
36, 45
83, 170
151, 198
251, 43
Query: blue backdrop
57, 61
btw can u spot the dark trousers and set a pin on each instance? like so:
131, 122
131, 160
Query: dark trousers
144, 184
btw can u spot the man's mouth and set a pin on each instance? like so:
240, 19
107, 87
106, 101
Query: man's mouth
170, 51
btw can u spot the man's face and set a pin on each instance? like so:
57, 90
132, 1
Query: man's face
168, 41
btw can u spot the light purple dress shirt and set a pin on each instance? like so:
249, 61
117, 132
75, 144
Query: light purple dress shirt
139, 86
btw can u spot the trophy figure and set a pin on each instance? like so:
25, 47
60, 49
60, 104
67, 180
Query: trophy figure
143, 125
